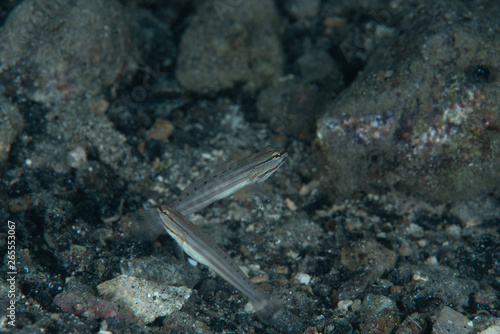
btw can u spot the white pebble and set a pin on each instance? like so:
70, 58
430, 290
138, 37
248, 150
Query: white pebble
303, 278
344, 304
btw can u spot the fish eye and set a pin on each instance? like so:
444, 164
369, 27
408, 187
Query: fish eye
276, 155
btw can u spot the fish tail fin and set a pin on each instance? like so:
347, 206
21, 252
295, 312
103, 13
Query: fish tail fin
272, 313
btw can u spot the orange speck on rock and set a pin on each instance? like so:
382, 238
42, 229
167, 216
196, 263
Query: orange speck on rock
334, 22
141, 148
156, 164
260, 279
100, 107
291, 205
161, 130
244, 251
281, 269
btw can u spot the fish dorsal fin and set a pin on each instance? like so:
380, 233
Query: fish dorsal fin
147, 225
233, 156
214, 173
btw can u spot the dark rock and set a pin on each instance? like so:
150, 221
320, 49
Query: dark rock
434, 284
225, 44
414, 324
368, 255
450, 321
80, 301
379, 315
412, 120
11, 125
43, 55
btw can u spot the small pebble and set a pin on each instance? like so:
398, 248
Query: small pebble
334, 22
344, 304
281, 269
432, 260
451, 321
141, 148
419, 278
495, 329
415, 323
308, 188
142, 299
454, 231
379, 314
422, 243
260, 279
303, 278
77, 157
100, 107
161, 130
414, 230
290, 204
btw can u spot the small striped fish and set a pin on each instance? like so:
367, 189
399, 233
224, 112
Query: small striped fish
223, 182
202, 249
229, 178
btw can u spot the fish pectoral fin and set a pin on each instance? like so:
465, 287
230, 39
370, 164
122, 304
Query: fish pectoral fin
147, 225
192, 262
179, 252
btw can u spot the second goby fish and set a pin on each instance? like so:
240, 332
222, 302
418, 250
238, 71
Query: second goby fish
202, 249
229, 178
